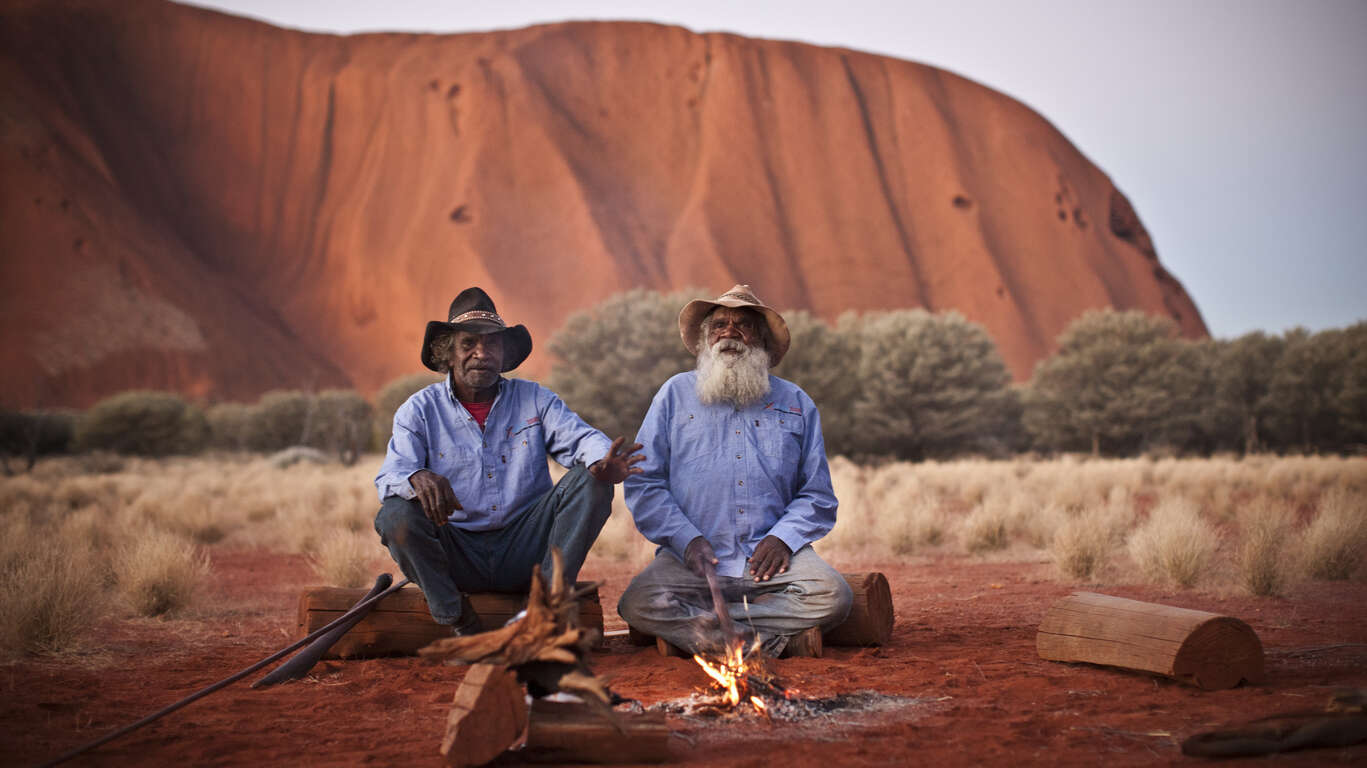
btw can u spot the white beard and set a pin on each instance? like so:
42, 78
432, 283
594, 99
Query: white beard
736, 379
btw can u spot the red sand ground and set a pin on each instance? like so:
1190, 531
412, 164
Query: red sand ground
963, 646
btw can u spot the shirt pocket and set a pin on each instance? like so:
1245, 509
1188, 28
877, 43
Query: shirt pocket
699, 444
780, 436
526, 448
456, 463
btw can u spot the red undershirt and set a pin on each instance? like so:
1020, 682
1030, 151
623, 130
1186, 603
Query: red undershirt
479, 410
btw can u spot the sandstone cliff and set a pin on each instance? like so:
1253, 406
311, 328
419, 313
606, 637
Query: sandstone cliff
205, 203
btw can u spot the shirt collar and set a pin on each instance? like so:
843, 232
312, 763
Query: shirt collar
451, 390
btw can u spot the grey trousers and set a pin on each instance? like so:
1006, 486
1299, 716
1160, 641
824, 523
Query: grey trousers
445, 561
670, 601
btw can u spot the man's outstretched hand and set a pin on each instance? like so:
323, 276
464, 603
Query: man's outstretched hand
699, 555
435, 495
614, 467
771, 557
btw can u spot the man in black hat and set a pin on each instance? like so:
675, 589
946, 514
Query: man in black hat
466, 497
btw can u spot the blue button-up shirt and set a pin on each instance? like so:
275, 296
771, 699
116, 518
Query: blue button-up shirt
496, 473
731, 475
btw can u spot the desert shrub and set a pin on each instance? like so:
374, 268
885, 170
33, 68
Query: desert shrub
986, 528
1119, 383
929, 386
1082, 544
390, 397
143, 423
229, 425
26, 435
1175, 544
344, 558
342, 424
821, 360
1334, 545
613, 357
280, 419
158, 572
52, 590
1264, 555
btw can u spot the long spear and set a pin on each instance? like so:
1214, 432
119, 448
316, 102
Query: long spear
360, 608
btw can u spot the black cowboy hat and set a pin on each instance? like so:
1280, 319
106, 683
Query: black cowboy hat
474, 311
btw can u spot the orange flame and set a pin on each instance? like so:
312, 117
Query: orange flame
729, 673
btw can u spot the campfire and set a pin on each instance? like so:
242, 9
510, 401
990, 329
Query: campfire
740, 680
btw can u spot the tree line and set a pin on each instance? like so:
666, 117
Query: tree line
909, 384
901, 384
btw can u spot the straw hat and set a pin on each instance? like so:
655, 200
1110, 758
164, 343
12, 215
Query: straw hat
691, 317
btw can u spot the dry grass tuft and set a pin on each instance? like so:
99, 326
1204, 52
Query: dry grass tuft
986, 528
1335, 543
346, 559
52, 590
1175, 544
159, 573
1264, 556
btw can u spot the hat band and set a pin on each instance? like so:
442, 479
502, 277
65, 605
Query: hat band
479, 314
742, 296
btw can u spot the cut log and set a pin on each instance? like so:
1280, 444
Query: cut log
565, 732
401, 624
870, 619
1195, 647
488, 715
869, 622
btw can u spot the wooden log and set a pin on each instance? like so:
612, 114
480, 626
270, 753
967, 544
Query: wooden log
1195, 647
869, 622
870, 619
401, 624
566, 732
488, 715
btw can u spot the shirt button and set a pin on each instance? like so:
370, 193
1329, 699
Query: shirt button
491, 474
738, 455
494, 507
740, 511
740, 482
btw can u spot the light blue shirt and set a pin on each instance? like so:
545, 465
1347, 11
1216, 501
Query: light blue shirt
733, 476
496, 473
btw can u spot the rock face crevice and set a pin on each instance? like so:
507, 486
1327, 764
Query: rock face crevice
256, 208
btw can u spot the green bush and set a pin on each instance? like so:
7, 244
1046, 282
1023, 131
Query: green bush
143, 423
393, 395
930, 386
26, 435
1120, 382
280, 419
613, 357
229, 425
341, 424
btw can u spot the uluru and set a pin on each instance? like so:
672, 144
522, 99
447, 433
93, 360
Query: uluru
213, 205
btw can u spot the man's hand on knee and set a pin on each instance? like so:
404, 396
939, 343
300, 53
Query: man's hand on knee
699, 555
771, 557
435, 495
614, 467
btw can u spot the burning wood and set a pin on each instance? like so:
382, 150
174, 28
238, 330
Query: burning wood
740, 680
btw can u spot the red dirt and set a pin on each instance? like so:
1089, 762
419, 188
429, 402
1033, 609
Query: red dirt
963, 646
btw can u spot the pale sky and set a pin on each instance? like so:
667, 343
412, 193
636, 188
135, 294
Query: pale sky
1237, 128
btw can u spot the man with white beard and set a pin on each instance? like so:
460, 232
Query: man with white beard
735, 479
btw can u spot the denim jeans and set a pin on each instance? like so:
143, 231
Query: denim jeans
445, 561
670, 601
